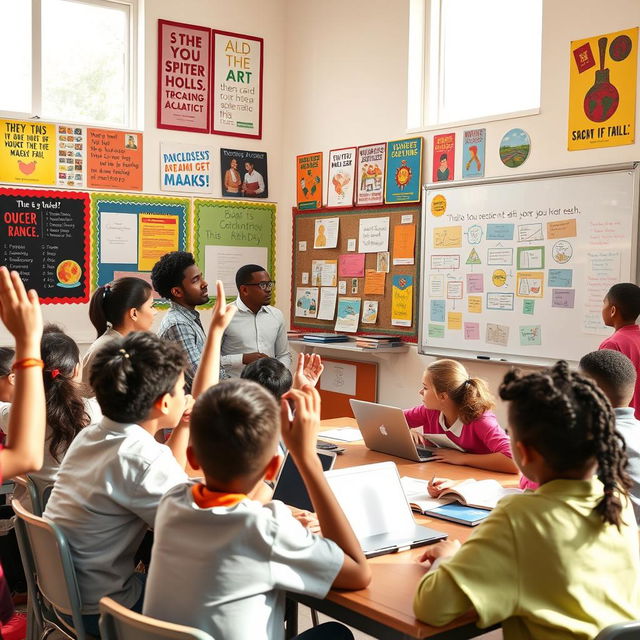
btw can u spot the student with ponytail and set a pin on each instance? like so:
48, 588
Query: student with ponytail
559, 562
459, 407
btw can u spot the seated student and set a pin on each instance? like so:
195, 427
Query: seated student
232, 582
115, 310
560, 562
7, 385
459, 407
114, 473
615, 374
620, 310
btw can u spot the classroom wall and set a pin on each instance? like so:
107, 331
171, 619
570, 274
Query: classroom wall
346, 85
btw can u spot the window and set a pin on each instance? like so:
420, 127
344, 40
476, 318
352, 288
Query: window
70, 60
471, 60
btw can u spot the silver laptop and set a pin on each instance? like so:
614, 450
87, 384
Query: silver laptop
373, 501
385, 429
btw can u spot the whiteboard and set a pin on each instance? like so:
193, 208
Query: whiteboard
516, 269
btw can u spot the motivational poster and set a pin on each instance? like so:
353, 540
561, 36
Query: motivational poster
184, 52
473, 143
243, 174
370, 174
114, 160
309, 181
237, 85
444, 153
27, 152
342, 164
404, 170
185, 168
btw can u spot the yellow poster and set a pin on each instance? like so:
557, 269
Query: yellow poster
27, 152
402, 301
602, 90
157, 235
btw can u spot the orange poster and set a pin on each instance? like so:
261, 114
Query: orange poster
374, 282
114, 159
404, 242
309, 181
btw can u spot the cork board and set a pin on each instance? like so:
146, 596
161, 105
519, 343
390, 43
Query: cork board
349, 228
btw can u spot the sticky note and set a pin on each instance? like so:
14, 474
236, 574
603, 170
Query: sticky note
528, 306
436, 331
437, 310
472, 331
474, 304
454, 320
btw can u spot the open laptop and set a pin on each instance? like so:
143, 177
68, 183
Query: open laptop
372, 498
385, 429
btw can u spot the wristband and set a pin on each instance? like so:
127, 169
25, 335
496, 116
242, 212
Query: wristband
26, 363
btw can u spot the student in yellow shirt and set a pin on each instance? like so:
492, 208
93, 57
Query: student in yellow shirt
560, 562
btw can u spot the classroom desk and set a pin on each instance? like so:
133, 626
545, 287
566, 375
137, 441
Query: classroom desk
384, 609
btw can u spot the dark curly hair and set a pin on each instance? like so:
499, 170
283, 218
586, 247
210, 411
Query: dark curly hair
168, 272
270, 374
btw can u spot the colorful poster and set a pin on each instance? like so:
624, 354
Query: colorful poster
114, 160
342, 165
157, 235
403, 182
324, 273
370, 312
243, 174
186, 168
237, 85
602, 90
326, 233
348, 314
402, 301
444, 155
184, 54
44, 236
27, 152
71, 165
309, 181
404, 241
515, 147
370, 174
473, 142
307, 302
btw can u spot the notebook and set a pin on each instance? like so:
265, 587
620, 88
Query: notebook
373, 501
456, 512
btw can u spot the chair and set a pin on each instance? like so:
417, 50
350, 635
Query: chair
119, 623
51, 577
620, 631
29, 485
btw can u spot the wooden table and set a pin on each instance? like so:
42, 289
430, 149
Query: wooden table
384, 609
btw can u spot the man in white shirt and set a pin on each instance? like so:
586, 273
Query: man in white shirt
257, 329
253, 183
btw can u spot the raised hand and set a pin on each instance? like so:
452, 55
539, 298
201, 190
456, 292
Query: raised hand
309, 368
222, 312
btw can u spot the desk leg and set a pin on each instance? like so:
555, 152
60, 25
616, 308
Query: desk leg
291, 618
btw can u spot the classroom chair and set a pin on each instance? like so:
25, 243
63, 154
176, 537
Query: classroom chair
38, 493
620, 631
119, 623
51, 577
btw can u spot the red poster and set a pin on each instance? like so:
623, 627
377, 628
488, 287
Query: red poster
114, 160
184, 53
444, 155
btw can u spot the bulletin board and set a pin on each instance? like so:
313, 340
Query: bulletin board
406, 276
516, 269
229, 234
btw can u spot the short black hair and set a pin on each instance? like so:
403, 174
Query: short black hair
6, 360
129, 374
271, 374
243, 275
234, 427
613, 372
625, 296
168, 272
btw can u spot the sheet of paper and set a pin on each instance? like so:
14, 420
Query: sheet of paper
351, 265
118, 238
324, 273
382, 261
374, 235
222, 263
342, 287
374, 282
342, 434
348, 314
404, 242
157, 235
326, 233
307, 302
351, 244
328, 298
305, 277
339, 378
369, 311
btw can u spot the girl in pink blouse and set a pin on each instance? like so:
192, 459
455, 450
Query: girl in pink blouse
459, 407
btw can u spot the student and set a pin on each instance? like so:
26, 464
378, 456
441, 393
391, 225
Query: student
232, 583
620, 310
460, 407
560, 562
114, 473
615, 374
7, 385
115, 310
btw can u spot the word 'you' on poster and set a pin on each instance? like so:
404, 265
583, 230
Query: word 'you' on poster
186, 168
184, 51
243, 174
237, 85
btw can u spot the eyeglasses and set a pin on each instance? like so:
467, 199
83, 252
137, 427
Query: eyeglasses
267, 285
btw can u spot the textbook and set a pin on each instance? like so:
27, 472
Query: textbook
325, 337
459, 513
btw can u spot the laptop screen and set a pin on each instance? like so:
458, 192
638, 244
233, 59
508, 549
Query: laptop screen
290, 487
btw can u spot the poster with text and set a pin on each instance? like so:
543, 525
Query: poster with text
370, 174
27, 152
186, 167
237, 85
309, 181
184, 54
114, 159
342, 164
71, 168
44, 236
473, 142
243, 174
444, 155
403, 181
602, 90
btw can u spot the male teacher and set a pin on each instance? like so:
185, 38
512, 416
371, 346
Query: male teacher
257, 329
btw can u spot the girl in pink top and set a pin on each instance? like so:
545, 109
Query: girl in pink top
460, 407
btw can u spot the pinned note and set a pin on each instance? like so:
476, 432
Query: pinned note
374, 282
447, 237
528, 306
530, 336
404, 241
436, 331
474, 304
437, 310
454, 320
475, 283
472, 331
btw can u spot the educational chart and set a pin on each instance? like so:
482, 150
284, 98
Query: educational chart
519, 268
131, 233
44, 236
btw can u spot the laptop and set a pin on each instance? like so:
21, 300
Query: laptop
373, 501
290, 487
385, 429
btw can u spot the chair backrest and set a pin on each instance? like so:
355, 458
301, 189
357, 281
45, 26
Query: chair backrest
119, 623
34, 492
620, 631
53, 565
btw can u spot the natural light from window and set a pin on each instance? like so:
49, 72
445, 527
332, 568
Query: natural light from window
15, 56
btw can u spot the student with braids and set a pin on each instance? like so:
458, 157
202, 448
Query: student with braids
459, 406
561, 562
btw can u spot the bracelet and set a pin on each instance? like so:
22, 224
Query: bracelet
26, 363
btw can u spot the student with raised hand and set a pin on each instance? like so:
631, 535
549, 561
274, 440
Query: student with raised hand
232, 582
458, 406
561, 562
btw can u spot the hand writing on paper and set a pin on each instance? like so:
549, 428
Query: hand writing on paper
437, 486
